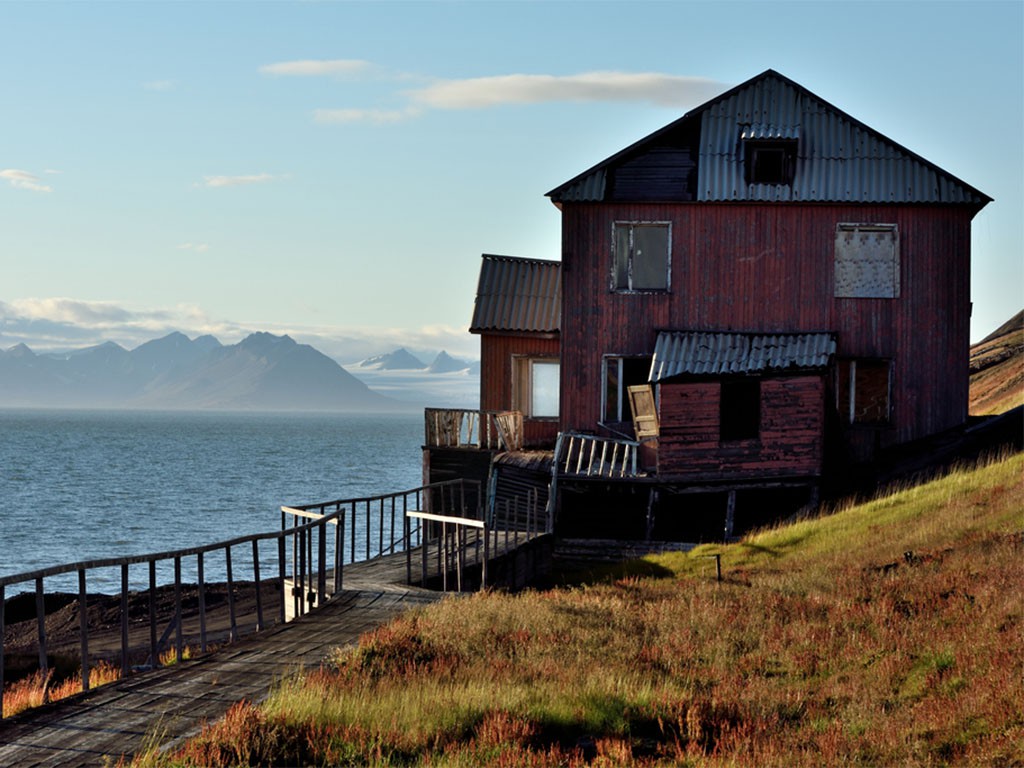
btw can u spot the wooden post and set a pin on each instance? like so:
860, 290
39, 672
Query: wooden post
406, 531
83, 629
233, 632
152, 614
256, 579
339, 549
201, 578
41, 624
730, 514
282, 551
487, 557
179, 638
125, 666
321, 563
299, 578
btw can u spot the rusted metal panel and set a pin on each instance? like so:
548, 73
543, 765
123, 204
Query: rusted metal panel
697, 353
515, 294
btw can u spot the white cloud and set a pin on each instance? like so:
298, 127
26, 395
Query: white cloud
377, 116
480, 92
159, 85
316, 67
233, 181
24, 180
197, 247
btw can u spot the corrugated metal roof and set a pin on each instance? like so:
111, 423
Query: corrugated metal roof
839, 159
516, 294
699, 353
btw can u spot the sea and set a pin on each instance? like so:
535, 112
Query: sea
93, 484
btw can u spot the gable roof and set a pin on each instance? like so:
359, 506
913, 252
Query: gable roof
518, 295
700, 353
839, 159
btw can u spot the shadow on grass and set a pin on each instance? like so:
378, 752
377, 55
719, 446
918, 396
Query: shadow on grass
610, 572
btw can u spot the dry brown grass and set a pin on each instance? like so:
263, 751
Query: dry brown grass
887, 634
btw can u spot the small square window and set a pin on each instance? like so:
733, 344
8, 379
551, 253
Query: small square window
641, 257
739, 409
769, 162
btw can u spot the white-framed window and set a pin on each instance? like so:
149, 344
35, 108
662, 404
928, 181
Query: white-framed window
535, 386
620, 373
864, 391
867, 261
641, 255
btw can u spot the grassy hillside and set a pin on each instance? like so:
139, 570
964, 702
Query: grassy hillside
997, 369
884, 634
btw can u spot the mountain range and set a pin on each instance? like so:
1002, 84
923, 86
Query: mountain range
261, 372
403, 360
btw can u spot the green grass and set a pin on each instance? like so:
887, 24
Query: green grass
883, 634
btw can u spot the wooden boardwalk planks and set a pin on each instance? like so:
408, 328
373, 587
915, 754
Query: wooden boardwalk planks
173, 702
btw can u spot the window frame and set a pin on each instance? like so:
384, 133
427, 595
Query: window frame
786, 148
523, 385
623, 411
615, 270
847, 380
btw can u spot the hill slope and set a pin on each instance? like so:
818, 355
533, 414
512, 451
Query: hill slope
997, 369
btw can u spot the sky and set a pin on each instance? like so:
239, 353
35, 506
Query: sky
334, 170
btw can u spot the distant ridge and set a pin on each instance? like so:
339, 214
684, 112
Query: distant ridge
261, 372
399, 360
997, 369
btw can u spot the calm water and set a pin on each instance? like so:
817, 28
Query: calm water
82, 485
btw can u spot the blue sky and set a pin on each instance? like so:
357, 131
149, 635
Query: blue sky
334, 170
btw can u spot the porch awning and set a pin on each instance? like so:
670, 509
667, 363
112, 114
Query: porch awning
699, 353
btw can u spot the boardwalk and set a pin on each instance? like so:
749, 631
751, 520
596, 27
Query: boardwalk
119, 719
100, 726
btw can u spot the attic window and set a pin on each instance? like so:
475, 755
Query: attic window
769, 162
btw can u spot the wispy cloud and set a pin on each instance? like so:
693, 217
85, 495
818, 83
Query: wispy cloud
376, 116
160, 85
197, 247
651, 87
316, 67
234, 181
24, 180
660, 89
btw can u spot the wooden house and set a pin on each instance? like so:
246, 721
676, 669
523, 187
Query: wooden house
754, 298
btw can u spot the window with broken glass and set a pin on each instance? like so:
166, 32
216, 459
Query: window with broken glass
641, 256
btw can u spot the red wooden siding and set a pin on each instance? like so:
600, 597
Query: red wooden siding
496, 353
791, 436
744, 267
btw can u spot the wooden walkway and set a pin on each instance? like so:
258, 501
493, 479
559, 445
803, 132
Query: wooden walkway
98, 727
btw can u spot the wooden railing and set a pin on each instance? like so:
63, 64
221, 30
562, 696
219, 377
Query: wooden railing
591, 456
483, 430
388, 526
309, 522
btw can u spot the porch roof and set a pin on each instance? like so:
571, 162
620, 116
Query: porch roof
701, 353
